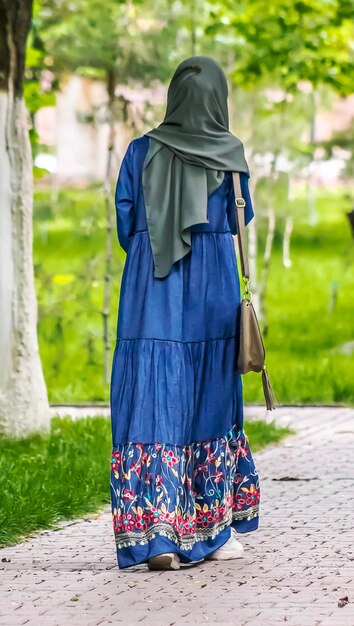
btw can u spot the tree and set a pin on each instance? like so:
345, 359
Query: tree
281, 43
23, 398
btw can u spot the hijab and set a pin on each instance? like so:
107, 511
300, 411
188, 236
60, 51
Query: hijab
188, 155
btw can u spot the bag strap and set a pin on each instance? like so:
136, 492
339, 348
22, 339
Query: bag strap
241, 227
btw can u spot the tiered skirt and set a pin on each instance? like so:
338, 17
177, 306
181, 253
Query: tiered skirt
182, 471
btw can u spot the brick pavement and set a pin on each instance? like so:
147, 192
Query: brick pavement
297, 565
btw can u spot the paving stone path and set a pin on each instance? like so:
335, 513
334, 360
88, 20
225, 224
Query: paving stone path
298, 566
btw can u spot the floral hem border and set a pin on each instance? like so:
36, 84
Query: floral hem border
187, 494
186, 542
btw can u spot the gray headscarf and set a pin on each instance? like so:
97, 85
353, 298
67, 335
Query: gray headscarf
187, 158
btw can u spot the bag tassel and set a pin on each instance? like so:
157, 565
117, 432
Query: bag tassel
267, 389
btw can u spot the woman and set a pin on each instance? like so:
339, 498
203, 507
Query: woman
183, 479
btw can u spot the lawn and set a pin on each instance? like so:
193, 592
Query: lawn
304, 333
66, 474
303, 337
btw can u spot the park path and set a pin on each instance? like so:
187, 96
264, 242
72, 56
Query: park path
298, 566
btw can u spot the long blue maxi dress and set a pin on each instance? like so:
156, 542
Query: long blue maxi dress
182, 471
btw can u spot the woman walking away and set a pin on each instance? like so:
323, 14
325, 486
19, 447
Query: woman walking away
183, 480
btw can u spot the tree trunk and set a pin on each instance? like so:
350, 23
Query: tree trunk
265, 271
289, 224
23, 398
311, 198
252, 254
109, 227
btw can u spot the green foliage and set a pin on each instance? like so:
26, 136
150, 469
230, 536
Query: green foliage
282, 43
273, 43
118, 39
66, 475
47, 479
36, 98
38, 88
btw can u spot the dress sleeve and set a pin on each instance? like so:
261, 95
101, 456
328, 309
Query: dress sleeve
124, 200
231, 208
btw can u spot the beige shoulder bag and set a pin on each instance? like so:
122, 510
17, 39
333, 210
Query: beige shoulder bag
251, 354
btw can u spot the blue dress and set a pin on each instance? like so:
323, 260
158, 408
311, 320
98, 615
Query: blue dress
182, 471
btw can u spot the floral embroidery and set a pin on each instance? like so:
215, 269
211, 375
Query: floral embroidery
169, 458
115, 460
252, 494
128, 521
218, 476
205, 516
128, 494
186, 493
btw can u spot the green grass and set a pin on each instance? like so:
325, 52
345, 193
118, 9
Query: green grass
69, 268
302, 359
66, 474
302, 336
47, 479
261, 434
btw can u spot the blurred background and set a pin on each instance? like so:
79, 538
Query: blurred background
96, 76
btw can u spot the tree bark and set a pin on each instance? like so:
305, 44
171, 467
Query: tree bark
311, 198
252, 255
109, 227
265, 271
289, 224
24, 407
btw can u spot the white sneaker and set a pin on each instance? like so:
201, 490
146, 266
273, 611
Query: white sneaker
232, 549
168, 561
